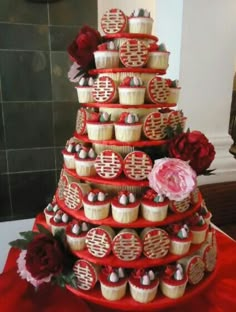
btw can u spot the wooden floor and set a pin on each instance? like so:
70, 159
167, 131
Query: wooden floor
221, 201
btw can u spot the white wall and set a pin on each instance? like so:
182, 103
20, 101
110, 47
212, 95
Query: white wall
169, 31
208, 51
9, 231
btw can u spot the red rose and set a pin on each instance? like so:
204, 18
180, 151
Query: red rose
44, 257
82, 47
195, 148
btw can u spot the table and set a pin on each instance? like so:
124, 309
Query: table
17, 295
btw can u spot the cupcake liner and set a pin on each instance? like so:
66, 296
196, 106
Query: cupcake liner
106, 59
142, 25
128, 133
85, 167
84, 94
179, 247
96, 211
173, 291
102, 131
154, 213
76, 243
113, 293
131, 96
124, 215
143, 295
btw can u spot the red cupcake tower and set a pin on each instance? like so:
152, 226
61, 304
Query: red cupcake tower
122, 166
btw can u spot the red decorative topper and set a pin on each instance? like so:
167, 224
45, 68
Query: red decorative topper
104, 90
133, 53
137, 165
114, 21
158, 90
154, 126
109, 164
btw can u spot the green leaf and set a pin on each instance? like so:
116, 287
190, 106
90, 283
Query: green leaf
19, 243
29, 235
43, 230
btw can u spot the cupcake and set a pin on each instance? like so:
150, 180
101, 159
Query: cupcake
158, 56
125, 207
69, 153
205, 213
59, 222
84, 162
107, 56
131, 91
180, 239
113, 283
127, 245
84, 90
128, 128
99, 126
99, 241
140, 22
76, 234
96, 205
143, 285
173, 281
174, 91
154, 207
49, 212
198, 228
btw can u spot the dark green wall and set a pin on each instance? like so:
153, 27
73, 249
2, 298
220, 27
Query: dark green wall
37, 102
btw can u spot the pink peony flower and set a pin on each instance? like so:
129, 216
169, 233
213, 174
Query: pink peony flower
173, 178
25, 274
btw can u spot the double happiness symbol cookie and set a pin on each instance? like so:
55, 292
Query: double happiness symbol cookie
137, 165
86, 274
114, 21
133, 53
109, 164
154, 126
158, 90
81, 118
104, 90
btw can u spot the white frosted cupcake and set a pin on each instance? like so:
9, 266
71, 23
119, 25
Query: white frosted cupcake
140, 22
107, 56
128, 128
84, 162
180, 239
173, 281
59, 222
84, 90
198, 228
174, 90
158, 56
125, 207
76, 234
99, 126
154, 207
131, 91
96, 205
143, 286
49, 212
69, 153
113, 283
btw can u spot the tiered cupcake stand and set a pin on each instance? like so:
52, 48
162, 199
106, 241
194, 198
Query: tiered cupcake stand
121, 183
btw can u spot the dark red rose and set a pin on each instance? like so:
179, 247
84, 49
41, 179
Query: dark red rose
82, 47
44, 257
195, 148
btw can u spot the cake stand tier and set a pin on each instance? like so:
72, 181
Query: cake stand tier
140, 144
142, 262
121, 180
127, 106
139, 223
139, 70
128, 304
130, 36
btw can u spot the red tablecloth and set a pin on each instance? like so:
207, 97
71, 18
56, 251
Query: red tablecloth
17, 295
